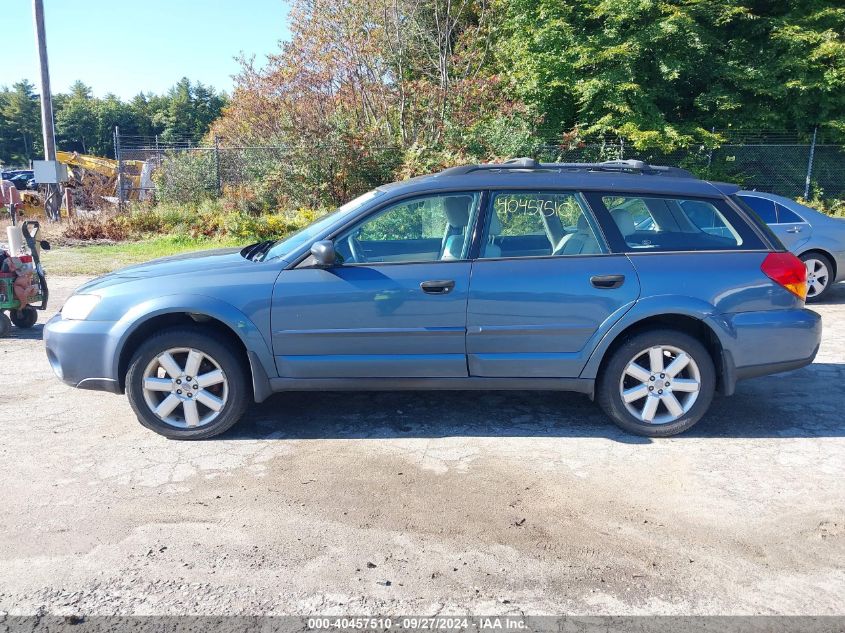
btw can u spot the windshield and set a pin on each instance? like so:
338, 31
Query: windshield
303, 236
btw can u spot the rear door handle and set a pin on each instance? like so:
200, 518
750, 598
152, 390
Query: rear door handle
794, 229
607, 282
438, 286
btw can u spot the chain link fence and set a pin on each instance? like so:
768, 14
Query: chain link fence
774, 163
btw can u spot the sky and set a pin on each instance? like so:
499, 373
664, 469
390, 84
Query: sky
126, 47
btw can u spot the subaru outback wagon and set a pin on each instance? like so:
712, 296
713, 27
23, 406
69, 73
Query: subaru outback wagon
640, 286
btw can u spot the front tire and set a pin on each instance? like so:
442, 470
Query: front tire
658, 383
819, 275
188, 384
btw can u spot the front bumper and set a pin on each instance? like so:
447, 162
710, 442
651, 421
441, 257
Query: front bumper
82, 353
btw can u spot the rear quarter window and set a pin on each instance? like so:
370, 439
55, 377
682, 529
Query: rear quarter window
788, 216
648, 223
741, 202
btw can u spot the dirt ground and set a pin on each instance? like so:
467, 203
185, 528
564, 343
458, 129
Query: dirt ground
423, 503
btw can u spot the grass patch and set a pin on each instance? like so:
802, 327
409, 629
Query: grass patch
99, 259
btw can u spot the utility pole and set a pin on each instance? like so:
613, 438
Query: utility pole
47, 129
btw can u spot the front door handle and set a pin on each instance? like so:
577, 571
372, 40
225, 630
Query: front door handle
438, 286
794, 229
607, 282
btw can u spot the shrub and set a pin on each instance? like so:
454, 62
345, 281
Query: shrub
243, 198
419, 160
186, 177
102, 227
495, 138
269, 226
209, 219
830, 206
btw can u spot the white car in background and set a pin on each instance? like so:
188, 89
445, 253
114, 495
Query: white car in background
817, 239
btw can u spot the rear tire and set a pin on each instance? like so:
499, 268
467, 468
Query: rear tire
198, 406
684, 394
24, 319
819, 275
5, 325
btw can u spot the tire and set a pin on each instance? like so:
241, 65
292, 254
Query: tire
5, 325
24, 319
227, 384
632, 417
820, 271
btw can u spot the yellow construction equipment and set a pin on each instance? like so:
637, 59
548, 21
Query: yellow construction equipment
89, 191
108, 167
31, 206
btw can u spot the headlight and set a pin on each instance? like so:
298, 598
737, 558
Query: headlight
78, 307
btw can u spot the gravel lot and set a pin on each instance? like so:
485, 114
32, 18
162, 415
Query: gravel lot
418, 503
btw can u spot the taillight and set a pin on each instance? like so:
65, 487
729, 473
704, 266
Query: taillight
787, 270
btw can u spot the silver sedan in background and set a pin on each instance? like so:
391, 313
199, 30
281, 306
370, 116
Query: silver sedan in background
816, 238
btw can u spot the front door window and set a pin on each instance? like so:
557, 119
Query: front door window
424, 229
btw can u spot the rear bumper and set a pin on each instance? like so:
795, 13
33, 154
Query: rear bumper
81, 353
753, 371
767, 342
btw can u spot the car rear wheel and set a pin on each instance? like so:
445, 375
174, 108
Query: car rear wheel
186, 384
25, 318
658, 383
819, 275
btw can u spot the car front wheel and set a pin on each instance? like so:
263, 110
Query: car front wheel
187, 384
658, 383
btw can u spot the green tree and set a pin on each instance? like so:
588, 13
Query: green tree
189, 111
76, 119
7, 132
22, 114
663, 73
111, 113
148, 111
808, 64
85, 123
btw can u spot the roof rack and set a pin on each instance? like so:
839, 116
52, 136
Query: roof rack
529, 164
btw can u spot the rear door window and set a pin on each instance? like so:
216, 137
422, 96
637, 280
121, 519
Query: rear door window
539, 224
660, 223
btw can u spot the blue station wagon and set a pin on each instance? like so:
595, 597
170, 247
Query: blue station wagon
640, 286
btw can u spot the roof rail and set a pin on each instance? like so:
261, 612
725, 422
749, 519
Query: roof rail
526, 164
513, 163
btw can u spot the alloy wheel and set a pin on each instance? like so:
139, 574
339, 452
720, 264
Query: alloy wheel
185, 387
660, 384
817, 277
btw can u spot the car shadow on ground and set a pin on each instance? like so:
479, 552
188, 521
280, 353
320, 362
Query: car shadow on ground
805, 403
834, 296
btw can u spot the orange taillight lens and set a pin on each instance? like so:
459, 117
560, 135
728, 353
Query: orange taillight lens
788, 271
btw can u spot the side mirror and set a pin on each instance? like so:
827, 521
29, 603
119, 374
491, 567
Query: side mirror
323, 253
45, 245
